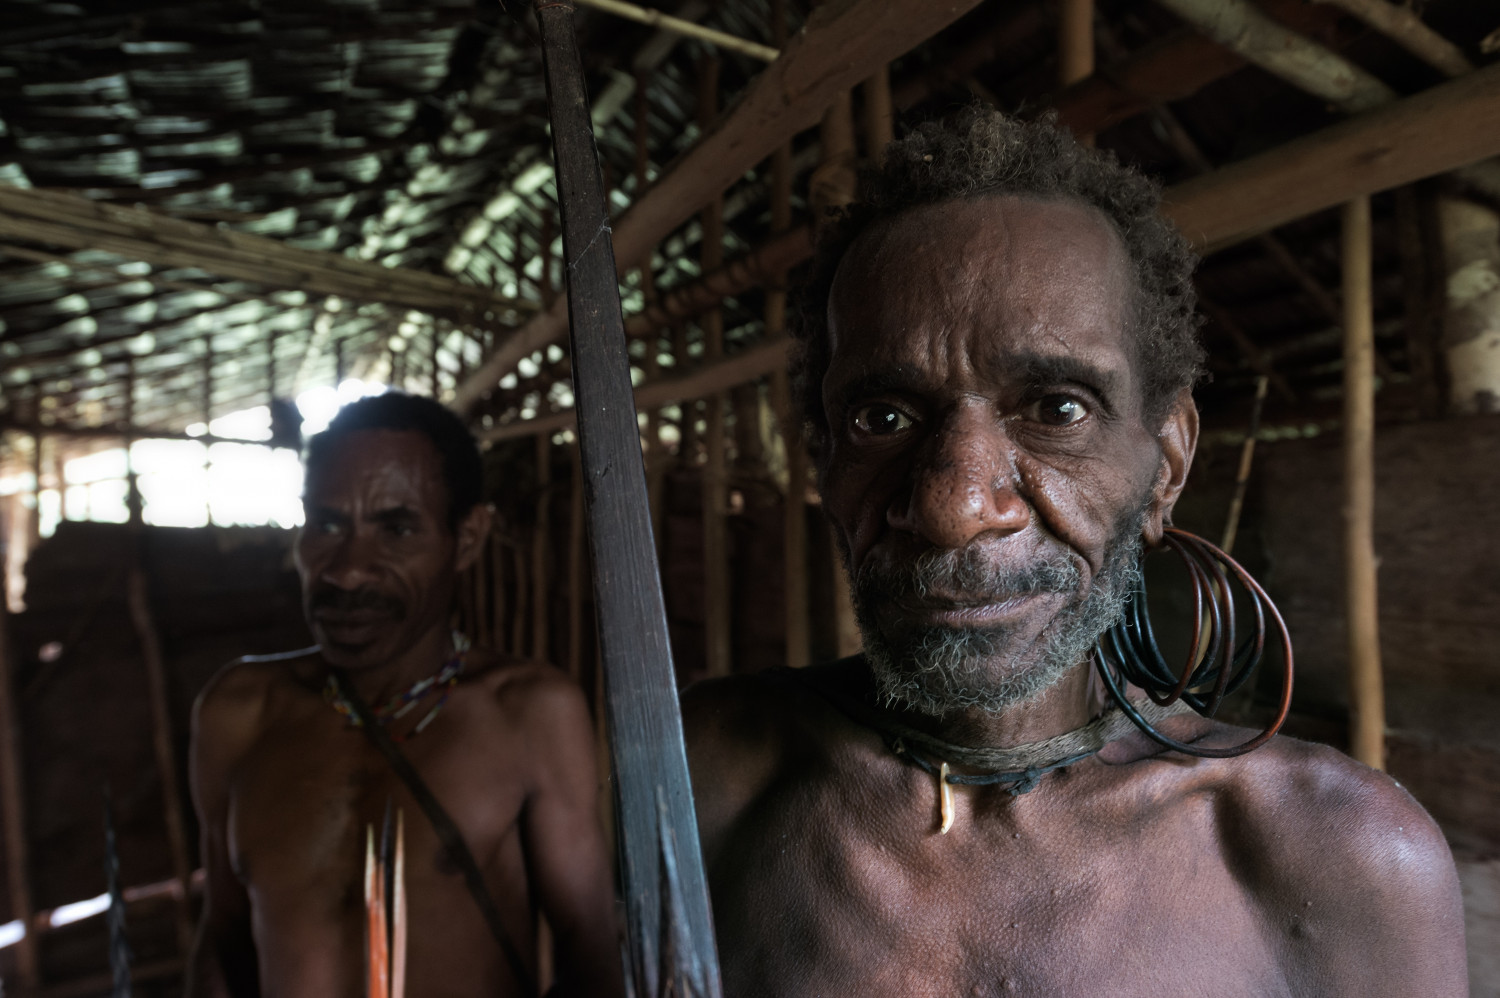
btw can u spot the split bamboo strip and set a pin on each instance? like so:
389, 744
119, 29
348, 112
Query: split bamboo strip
1242, 476
1366, 688
688, 29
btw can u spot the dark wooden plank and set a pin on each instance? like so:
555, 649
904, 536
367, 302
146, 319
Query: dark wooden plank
669, 925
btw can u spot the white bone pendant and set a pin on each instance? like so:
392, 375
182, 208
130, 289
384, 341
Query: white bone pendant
945, 800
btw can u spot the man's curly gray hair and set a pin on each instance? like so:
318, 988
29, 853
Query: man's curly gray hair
980, 152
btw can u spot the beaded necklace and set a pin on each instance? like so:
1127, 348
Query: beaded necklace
405, 702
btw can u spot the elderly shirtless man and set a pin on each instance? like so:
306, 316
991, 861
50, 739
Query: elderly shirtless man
998, 355
285, 786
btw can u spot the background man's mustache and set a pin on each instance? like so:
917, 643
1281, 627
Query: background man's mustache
967, 574
354, 600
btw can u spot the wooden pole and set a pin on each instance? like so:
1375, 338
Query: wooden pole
541, 548
669, 944
794, 521
1242, 477
518, 616
880, 126
1075, 42
656, 465
716, 583
13, 801
1366, 689
687, 29
1075, 47
162, 739
576, 567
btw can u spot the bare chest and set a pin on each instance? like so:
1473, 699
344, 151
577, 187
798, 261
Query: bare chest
312, 792
839, 883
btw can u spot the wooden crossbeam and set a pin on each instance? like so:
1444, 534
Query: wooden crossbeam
1447, 127
68, 220
843, 42
756, 362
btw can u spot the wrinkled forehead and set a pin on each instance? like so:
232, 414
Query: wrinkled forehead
381, 469
988, 275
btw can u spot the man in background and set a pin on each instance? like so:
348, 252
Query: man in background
286, 784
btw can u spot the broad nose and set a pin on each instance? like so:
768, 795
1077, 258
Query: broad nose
964, 485
353, 561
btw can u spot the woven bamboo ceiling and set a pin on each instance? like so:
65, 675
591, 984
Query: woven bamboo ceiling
143, 146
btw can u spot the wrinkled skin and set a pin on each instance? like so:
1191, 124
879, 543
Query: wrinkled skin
982, 395
285, 788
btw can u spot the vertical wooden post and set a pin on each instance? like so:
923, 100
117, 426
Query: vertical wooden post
687, 421
1366, 688
794, 523
499, 636
1242, 477
655, 465
518, 617
575, 573
208, 418
13, 801
541, 547
716, 585
137, 597
1075, 46
879, 119
437, 384
835, 182
35, 525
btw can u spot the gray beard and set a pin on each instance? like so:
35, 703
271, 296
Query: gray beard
935, 669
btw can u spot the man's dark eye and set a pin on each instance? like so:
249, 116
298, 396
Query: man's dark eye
881, 419
1060, 410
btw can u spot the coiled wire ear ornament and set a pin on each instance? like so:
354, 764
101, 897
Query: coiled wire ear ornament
1215, 666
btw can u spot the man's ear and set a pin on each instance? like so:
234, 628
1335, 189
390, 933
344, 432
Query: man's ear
1178, 439
472, 530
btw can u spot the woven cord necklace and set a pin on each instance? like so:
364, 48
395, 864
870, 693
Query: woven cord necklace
441, 682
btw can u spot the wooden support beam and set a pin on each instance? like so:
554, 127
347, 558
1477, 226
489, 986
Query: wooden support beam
754, 362
1404, 26
717, 618
687, 29
541, 550
842, 42
1075, 42
576, 567
1245, 29
1366, 687
1449, 126
76, 222
879, 119
162, 739
770, 259
13, 807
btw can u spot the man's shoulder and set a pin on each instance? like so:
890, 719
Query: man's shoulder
526, 690
1313, 814
245, 683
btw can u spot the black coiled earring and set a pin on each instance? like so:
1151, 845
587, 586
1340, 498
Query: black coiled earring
1216, 666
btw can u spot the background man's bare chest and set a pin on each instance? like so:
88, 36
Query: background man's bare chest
302, 799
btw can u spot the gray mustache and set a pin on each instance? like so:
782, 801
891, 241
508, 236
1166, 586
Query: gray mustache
967, 575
